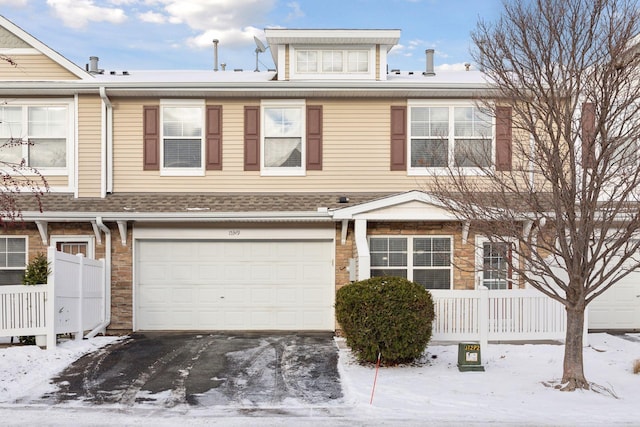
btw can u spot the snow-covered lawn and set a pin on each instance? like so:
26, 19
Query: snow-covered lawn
509, 391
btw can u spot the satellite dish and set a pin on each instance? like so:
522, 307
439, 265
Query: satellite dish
260, 48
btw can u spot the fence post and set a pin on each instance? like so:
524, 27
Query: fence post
80, 331
483, 313
50, 301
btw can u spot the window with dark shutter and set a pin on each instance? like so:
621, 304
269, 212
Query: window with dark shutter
503, 139
214, 137
398, 138
151, 143
314, 137
251, 138
588, 125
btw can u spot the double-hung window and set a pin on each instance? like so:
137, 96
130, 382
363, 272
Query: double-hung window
182, 137
422, 259
13, 260
283, 142
37, 132
449, 136
494, 264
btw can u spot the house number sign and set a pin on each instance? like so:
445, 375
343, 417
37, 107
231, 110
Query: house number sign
234, 232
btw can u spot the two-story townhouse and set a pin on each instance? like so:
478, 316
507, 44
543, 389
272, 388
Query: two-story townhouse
241, 200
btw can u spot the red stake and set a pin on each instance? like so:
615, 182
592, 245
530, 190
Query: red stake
375, 379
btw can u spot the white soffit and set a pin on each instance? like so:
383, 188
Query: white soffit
280, 36
410, 206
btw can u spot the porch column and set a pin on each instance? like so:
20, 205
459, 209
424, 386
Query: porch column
362, 248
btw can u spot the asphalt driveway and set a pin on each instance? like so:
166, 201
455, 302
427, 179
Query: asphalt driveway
198, 369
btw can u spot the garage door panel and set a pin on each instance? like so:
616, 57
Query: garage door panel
618, 307
234, 285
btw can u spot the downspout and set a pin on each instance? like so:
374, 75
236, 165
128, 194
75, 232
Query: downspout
106, 158
101, 328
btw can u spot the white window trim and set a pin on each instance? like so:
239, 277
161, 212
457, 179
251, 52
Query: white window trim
197, 171
424, 171
480, 241
287, 103
71, 131
26, 254
64, 238
297, 75
409, 267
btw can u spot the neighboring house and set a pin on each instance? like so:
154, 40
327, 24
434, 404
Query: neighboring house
227, 200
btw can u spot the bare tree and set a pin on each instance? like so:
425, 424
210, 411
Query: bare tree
566, 199
16, 176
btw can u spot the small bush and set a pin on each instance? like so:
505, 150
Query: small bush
36, 273
636, 366
388, 315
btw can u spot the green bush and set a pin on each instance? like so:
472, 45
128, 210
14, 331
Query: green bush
388, 315
36, 273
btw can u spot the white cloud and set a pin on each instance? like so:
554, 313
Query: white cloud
230, 21
78, 13
13, 3
296, 11
450, 67
152, 17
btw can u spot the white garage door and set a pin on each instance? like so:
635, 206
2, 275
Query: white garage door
234, 285
618, 307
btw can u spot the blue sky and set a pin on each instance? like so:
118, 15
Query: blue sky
178, 34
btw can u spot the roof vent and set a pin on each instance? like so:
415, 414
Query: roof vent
237, 69
215, 54
430, 70
467, 66
93, 65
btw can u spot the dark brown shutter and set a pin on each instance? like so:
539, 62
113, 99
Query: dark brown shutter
151, 129
251, 138
588, 125
503, 138
314, 137
214, 137
398, 138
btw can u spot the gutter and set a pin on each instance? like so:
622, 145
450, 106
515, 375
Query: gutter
193, 216
106, 145
102, 328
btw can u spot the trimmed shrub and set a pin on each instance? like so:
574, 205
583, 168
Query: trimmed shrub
388, 315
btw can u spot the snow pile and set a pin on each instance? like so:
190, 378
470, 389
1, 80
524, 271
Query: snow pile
509, 391
25, 370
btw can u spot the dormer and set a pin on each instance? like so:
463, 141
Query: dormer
331, 54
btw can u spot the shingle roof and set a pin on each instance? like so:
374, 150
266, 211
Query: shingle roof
182, 203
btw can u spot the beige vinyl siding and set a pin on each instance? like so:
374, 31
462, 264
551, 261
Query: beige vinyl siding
89, 147
34, 67
355, 153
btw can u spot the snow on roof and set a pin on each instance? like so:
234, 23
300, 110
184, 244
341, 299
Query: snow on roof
228, 76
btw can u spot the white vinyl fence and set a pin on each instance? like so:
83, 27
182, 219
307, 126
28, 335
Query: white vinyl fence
497, 315
78, 289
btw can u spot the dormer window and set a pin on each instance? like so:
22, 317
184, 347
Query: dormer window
332, 61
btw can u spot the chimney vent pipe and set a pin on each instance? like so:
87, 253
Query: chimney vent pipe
215, 54
430, 70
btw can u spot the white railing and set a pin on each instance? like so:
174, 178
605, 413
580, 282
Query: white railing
22, 310
497, 315
78, 287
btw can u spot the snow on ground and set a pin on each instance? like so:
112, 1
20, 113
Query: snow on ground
509, 391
